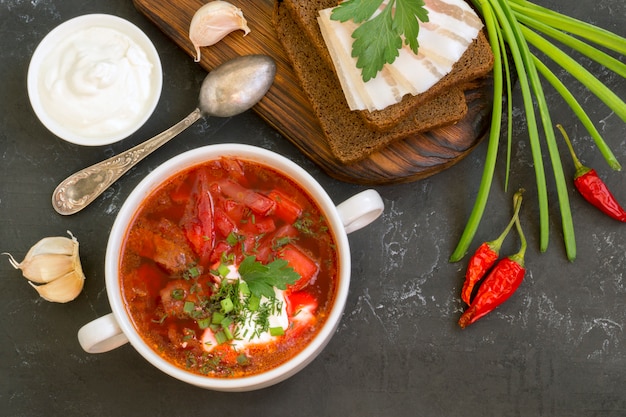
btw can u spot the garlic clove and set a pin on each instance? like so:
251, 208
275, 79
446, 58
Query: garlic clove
213, 21
54, 245
44, 267
48, 259
63, 289
55, 263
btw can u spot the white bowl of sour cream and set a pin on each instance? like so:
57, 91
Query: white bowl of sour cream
94, 79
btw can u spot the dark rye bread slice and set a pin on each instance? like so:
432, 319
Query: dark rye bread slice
476, 62
348, 136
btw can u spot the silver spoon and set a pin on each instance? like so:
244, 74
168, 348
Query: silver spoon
229, 89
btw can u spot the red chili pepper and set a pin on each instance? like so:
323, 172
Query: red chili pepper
595, 191
499, 285
592, 188
486, 255
483, 259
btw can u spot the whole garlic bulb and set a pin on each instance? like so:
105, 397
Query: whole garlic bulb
54, 263
213, 21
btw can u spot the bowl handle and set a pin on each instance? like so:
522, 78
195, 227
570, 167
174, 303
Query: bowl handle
360, 210
101, 335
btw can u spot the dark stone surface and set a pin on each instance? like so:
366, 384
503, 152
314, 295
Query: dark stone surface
556, 348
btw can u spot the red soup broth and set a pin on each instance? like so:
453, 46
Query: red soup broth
214, 215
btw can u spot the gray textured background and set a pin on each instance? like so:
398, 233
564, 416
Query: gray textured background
556, 348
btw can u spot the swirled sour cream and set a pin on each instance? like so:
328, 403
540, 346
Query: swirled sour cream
96, 82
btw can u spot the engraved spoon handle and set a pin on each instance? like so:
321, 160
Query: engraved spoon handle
78, 190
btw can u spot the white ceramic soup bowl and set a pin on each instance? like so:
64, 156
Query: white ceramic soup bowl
115, 329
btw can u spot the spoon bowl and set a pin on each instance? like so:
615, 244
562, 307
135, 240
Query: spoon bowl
236, 85
230, 89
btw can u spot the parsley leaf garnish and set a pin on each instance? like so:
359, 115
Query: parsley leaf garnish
378, 39
262, 278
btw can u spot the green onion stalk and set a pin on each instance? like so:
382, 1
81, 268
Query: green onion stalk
513, 27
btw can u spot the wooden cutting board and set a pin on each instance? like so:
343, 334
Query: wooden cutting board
288, 110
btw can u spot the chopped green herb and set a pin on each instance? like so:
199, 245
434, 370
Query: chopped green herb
304, 225
161, 319
322, 221
280, 242
191, 361
188, 334
228, 258
242, 359
209, 364
233, 238
178, 294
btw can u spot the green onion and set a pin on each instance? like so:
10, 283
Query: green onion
253, 303
511, 22
227, 333
223, 270
243, 288
585, 77
277, 331
492, 149
569, 24
227, 305
529, 84
580, 112
220, 337
232, 239
589, 51
188, 307
509, 102
217, 317
204, 323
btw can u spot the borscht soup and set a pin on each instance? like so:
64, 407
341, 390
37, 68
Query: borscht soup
228, 269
